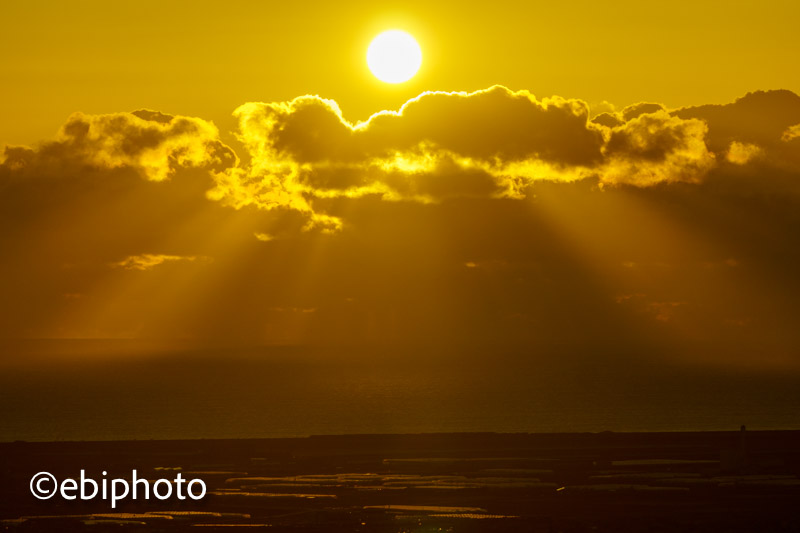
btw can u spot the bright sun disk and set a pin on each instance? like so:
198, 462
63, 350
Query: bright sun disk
394, 56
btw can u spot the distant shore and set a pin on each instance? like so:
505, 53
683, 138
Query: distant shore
479, 482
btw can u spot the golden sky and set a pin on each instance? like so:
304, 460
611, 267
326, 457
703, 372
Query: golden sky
609, 173
204, 58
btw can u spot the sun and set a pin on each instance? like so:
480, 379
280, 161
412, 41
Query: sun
394, 56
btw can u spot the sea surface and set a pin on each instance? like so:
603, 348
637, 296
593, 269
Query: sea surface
97, 391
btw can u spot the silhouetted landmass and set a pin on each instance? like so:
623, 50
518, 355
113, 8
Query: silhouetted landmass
709, 481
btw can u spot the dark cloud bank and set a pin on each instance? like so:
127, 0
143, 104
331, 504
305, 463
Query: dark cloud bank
491, 216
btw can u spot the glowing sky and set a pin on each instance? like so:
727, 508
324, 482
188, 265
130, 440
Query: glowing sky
205, 58
600, 173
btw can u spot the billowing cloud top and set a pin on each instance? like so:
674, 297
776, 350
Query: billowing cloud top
152, 143
491, 143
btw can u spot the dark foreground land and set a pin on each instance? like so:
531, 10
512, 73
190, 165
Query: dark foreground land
715, 481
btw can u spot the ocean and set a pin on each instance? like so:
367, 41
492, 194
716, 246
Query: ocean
96, 391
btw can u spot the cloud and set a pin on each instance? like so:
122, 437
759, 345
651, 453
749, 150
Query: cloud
640, 303
149, 261
742, 153
791, 133
759, 117
608, 119
764, 119
461, 216
437, 146
494, 143
151, 143
106, 188
602, 108
656, 147
492, 124
637, 110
